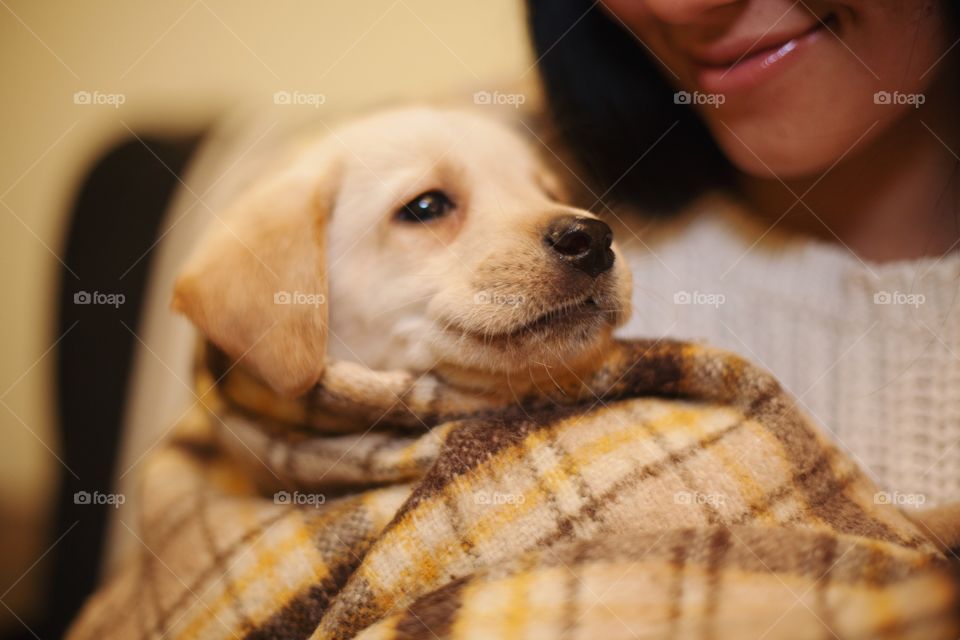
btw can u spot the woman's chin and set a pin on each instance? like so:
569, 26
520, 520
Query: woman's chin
802, 153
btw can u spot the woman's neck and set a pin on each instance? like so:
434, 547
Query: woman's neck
895, 198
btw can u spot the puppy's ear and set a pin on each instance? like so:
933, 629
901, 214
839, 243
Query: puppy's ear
256, 285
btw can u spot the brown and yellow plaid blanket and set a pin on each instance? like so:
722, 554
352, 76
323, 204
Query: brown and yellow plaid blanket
677, 493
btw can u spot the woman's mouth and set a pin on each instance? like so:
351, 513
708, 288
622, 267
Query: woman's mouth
743, 65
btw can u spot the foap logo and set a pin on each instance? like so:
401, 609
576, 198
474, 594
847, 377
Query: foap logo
897, 98
698, 498
96, 498
97, 297
699, 298
298, 498
898, 499
698, 98
495, 498
299, 298
499, 299
98, 98
899, 298
498, 98
299, 99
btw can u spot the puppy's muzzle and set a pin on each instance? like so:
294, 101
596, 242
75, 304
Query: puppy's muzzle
583, 243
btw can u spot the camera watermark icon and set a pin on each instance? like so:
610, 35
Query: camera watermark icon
514, 100
899, 298
96, 498
697, 98
299, 498
96, 297
98, 98
699, 298
698, 498
896, 98
495, 498
299, 298
897, 499
499, 299
299, 99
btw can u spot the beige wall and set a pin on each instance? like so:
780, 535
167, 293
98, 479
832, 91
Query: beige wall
177, 64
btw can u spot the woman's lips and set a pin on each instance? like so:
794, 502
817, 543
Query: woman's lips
755, 64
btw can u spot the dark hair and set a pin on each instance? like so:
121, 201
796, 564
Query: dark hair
604, 90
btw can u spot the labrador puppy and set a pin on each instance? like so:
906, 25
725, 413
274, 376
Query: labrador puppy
416, 238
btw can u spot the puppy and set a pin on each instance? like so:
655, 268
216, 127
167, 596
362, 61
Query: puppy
421, 239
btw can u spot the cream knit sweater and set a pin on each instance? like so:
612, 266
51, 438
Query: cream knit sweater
872, 351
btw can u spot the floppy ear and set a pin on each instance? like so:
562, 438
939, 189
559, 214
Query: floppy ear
256, 285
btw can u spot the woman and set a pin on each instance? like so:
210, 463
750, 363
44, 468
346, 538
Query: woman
831, 130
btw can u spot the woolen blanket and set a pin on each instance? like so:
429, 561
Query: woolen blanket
677, 492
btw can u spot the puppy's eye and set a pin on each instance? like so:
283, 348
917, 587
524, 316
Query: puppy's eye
426, 207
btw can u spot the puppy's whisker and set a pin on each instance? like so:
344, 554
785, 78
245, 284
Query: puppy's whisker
516, 399
541, 392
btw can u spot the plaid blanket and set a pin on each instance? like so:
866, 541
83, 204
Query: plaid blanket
677, 492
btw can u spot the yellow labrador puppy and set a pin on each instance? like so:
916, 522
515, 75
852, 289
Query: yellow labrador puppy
419, 239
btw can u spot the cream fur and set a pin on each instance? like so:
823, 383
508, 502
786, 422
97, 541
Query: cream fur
457, 294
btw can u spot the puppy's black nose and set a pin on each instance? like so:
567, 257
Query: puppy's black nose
583, 243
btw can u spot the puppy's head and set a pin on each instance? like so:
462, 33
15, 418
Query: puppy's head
415, 238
